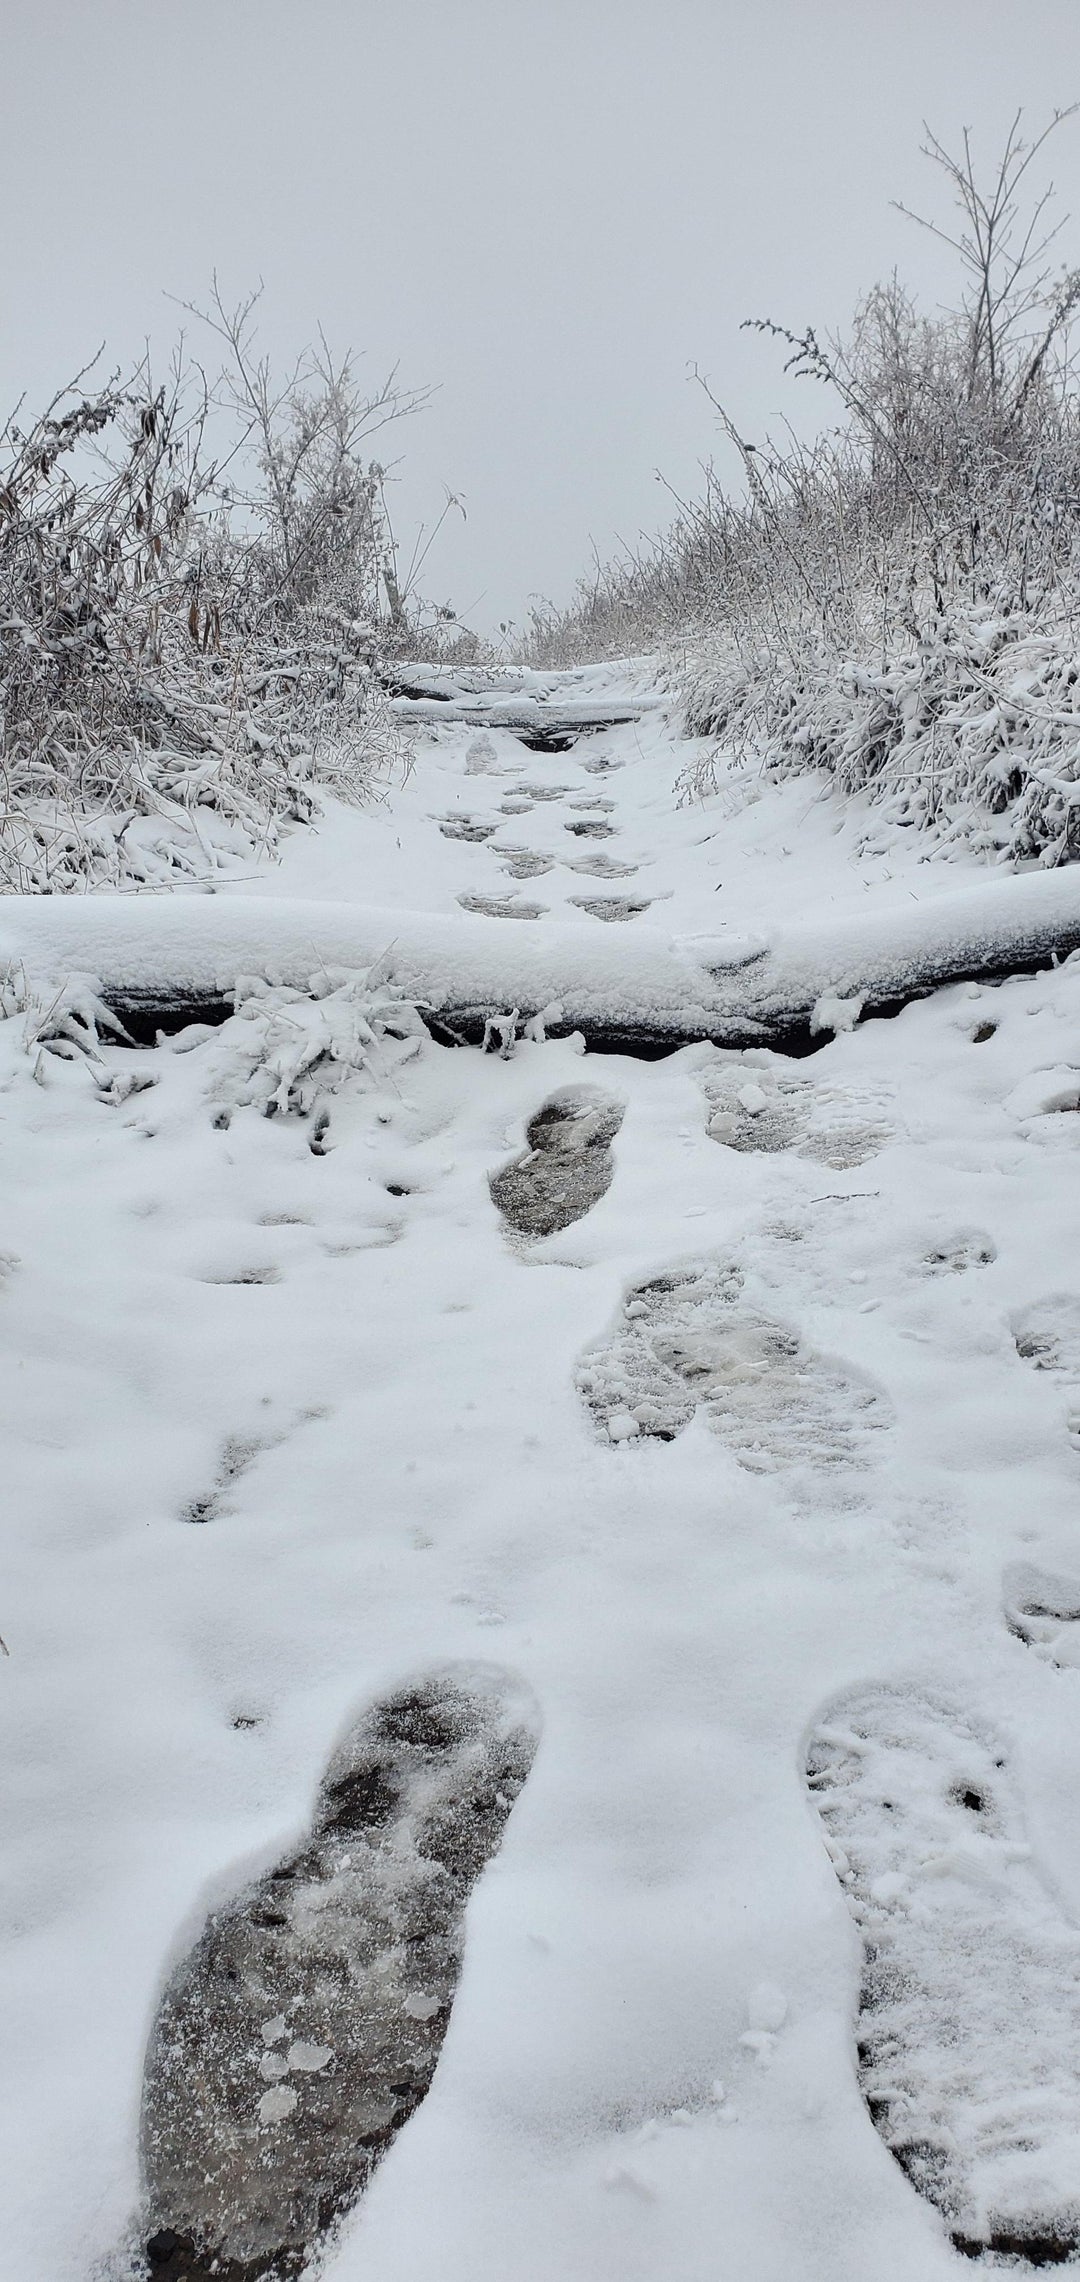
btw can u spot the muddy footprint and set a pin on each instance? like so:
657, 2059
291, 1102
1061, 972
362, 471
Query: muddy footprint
304, 2028
686, 1339
567, 1166
968, 2034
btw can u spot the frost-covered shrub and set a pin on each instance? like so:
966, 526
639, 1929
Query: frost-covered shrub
292, 1051
974, 730
896, 602
196, 587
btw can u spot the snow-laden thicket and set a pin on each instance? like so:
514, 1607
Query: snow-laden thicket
197, 580
897, 603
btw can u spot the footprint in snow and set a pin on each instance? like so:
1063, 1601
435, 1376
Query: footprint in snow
686, 1339
957, 1255
524, 863
464, 828
1047, 1335
545, 791
502, 906
968, 2036
594, 804
591, 828
1044, 1611
603, 866
567, 1166
480, 758
755, 1108
611, 907
303, 2029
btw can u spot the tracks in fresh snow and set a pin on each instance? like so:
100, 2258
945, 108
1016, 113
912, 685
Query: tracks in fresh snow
303, 2029
792, 1353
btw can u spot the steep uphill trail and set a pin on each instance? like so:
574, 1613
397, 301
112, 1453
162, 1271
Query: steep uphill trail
552, 1568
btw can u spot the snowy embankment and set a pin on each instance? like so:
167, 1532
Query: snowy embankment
542, 1594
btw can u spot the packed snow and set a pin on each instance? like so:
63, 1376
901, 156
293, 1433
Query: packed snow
721, 1409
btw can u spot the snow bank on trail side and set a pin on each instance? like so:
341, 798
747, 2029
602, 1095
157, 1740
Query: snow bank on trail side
728, 985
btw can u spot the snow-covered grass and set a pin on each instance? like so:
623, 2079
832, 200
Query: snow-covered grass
287, 1428
895, 601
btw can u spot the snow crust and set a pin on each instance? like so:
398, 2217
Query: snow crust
284, 1428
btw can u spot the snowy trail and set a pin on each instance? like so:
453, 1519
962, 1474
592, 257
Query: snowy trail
759, 1476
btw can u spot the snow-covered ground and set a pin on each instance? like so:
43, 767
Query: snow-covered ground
760, 1478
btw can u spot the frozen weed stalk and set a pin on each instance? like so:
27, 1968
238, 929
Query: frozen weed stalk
292, 1051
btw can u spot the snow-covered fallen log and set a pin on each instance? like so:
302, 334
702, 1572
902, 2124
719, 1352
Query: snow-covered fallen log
152, 957
549, 725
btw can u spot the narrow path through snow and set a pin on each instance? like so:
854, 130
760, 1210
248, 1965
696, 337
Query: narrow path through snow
713, 1418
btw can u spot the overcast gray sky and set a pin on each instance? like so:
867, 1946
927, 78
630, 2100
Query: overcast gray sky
548, 209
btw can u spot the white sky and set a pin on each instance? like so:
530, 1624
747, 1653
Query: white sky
551, 210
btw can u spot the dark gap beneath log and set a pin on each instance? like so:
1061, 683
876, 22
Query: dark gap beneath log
146, 1013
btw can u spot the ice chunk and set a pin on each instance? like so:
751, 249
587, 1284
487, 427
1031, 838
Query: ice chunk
276, 2104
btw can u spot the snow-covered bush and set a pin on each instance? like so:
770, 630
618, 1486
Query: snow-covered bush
293, 1051
196, 585
896, 602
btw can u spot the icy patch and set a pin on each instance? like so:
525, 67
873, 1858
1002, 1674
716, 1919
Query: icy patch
969, 2010
685, 1340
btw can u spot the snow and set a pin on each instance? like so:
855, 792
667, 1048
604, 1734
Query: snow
287, 1428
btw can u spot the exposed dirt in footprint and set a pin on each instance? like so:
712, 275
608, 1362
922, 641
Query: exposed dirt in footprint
464, 828
613, 907
687, 1339
524, 863
753, 1107
502, 907
969, 2013
304, 2027
567, 1166
1044, 1611
591, 828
